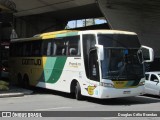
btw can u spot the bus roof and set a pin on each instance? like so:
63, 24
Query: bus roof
63, 33
48, 35
109, 32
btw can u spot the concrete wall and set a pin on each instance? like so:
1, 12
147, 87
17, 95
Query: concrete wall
142, 17
6, 32
32, 25
5, 26
0, 31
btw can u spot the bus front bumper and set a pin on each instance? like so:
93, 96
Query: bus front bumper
116, 93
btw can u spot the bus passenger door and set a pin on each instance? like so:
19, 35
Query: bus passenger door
93, 72
93, 66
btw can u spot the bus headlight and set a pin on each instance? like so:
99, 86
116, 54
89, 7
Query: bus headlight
106, 84
141, 83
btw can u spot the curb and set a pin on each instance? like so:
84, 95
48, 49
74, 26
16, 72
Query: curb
11, 95
15, 92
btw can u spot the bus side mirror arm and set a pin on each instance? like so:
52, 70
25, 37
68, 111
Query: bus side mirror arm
100, 52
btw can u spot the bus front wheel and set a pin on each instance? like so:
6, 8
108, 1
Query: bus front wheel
78, 92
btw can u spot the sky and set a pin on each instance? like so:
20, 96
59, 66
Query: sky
72, 23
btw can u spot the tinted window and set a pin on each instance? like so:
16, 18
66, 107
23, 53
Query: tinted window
36, 48
48, 47
19, 49
73, 45
153, 77
27, 49
67, 46
60, 45
146, 76
118, 40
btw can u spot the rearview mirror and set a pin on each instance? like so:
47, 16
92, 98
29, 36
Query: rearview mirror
148, 53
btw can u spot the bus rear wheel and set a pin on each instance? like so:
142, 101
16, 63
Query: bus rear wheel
20, 81
26, 82
78, 95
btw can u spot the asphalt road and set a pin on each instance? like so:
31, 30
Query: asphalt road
46, 100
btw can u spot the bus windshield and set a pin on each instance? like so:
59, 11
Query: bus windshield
121, 64
121, 61
119, 40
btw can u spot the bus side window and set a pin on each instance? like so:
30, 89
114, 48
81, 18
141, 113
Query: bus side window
36, 48
73, 51
18, 49
54, 48
60, 50
73, 46
63, 46
60, 46
27, 47
47, 48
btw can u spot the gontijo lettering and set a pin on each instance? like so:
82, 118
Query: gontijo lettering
31, 62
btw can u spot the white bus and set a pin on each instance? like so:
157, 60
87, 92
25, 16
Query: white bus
95, 63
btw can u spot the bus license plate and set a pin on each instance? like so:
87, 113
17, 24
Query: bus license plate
126, 92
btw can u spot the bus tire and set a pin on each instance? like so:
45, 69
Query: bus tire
25, 81
19, 80
78, 95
